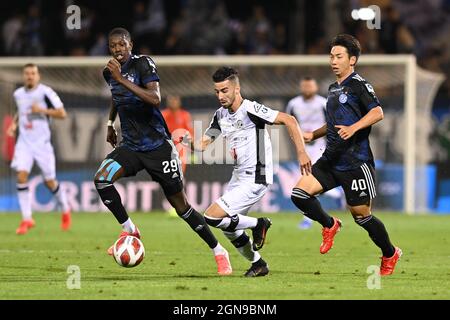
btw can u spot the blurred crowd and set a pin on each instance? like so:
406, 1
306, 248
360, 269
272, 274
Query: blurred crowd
174, 27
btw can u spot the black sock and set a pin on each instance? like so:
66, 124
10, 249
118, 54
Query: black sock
197, 222
378, 234
111, 198
311, 207
259, 263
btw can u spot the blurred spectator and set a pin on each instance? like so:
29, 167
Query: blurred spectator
100, 47
31, 32
149, 25
11, 32
259, 29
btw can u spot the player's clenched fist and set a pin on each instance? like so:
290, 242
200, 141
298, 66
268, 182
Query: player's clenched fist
114, 67
111, 136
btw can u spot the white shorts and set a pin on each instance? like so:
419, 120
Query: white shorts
24, 157
240, 196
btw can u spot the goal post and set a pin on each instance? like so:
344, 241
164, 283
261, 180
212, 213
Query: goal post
265, 76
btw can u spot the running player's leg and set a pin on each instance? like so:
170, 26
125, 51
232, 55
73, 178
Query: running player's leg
122, 162
164, 165
45, 159
22, 163
229, 213
303, 196
314, 150
359, 186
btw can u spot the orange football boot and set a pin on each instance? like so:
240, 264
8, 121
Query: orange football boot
328, 236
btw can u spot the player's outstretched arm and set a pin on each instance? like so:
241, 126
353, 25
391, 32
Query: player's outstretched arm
58, 113
373, 116
316, 134
297, 137
150, 94
202, 144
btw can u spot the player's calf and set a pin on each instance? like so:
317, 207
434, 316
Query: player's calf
311, 207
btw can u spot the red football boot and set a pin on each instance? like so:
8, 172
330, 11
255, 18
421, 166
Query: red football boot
328, 236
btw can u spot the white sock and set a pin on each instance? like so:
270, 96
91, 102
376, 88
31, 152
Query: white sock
247, 250
245, 222
23, 193
218, 249
62, 198
129, 226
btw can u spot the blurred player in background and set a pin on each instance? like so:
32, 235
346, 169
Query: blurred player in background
352, 108
179, 123
146, 143
36, 104
309, 110
242, 123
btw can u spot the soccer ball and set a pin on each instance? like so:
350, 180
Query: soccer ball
128, 251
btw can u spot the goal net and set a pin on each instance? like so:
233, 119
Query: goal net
400, 143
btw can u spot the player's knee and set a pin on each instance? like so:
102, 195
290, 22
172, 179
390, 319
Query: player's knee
361, 218
101, 184
22, 177
213, 221
301, 198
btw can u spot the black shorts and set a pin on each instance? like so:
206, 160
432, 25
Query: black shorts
358, 184
162, 164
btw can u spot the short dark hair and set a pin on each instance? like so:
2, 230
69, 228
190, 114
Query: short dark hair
225, 73
307, 78
349, 42
30, 65
120, 32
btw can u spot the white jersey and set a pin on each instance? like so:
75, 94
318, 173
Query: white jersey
247, 139
34, 129
310, 115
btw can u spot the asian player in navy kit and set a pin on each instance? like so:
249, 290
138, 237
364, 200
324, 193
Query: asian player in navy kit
352, 108
146, 143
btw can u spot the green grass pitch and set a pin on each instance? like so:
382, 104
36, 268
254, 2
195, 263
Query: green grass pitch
178, 265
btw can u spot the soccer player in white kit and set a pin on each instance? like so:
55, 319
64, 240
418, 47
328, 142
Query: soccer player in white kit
309, 110
36, 104
242, 123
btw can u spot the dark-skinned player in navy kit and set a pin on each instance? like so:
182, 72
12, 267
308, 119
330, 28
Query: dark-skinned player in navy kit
146, 143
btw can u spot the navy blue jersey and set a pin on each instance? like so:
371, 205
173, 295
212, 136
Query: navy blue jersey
347, 103
143, 126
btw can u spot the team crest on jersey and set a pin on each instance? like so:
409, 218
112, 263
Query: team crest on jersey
130, 77
238, 124
343, 98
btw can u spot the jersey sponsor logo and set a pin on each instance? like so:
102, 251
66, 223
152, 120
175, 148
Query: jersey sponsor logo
343, 98
369, 88
175, 175
363, 194
260, 107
